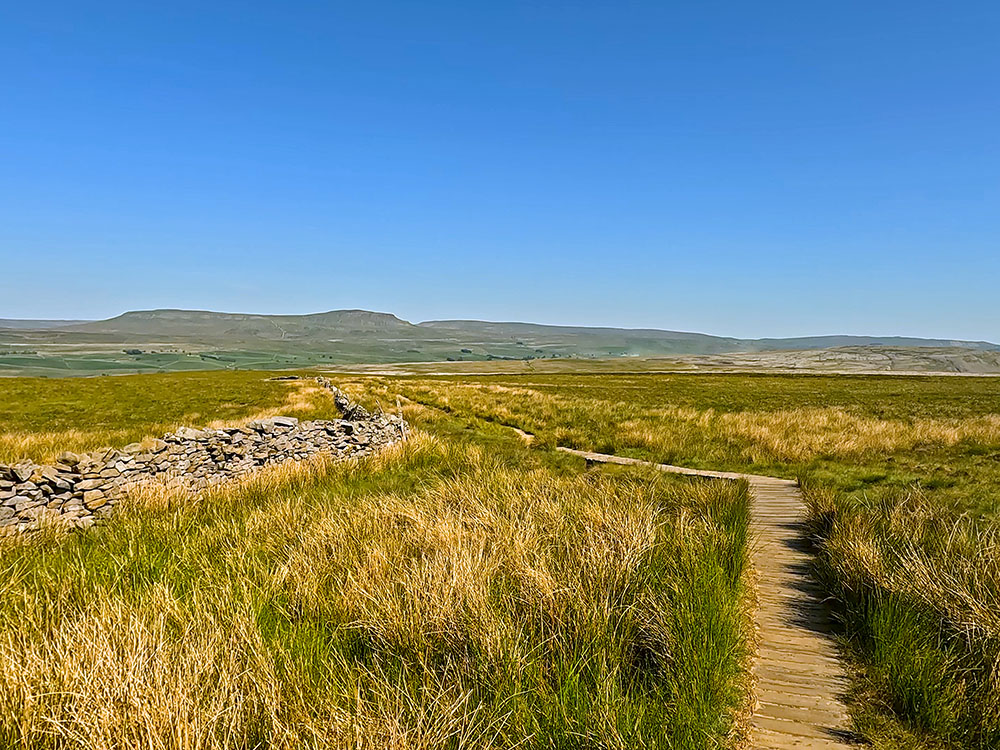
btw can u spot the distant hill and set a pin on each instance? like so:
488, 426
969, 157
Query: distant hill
829, 342
605, 341
164, 340
684, 343
36, 325
202, 324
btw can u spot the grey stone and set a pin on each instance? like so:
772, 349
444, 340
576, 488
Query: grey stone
22, 503
189, 433
48, 474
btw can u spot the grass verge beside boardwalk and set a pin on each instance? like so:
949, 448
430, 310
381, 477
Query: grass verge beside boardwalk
903, 478
919, 587
457, 591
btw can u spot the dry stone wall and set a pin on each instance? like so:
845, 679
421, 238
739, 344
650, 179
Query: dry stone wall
81, 489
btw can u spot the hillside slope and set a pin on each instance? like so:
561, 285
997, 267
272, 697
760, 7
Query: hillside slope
206, 325
165, 340
214, 327
830, 342
36, 325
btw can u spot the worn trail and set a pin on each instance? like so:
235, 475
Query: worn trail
800, 681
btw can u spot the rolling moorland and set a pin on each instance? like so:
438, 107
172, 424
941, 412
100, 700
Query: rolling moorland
401, 602
902, 480
185, 340
459, 590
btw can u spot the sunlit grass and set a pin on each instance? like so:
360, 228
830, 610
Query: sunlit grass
450, 592
904, 489
452, 584
40, 417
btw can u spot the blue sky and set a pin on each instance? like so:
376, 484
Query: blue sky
748, 169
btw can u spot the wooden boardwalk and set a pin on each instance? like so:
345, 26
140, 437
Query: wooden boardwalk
799, 678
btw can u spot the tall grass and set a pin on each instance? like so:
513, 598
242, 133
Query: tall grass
439, 595
920, 592
903, 485
458, 595
744, 436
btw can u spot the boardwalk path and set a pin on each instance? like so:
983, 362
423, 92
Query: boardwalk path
798, 677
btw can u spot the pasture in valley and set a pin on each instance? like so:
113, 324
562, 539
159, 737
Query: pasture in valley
470, 589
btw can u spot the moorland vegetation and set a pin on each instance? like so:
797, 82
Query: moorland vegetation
458, 590
901, 475
41, 417
902, 479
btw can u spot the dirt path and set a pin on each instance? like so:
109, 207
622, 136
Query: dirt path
799, 679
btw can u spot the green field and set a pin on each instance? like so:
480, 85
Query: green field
85, 361
41, 417
471, 590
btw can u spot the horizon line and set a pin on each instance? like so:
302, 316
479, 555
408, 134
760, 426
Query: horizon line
73, 321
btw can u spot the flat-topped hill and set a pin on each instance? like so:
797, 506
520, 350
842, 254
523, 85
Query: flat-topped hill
170, 339
207, 325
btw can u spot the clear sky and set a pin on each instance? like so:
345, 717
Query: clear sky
739, 168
